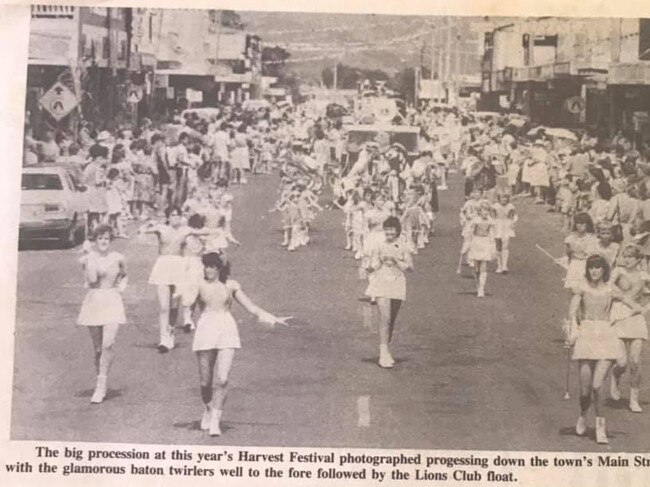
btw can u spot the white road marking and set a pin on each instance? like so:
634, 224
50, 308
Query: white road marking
363, 410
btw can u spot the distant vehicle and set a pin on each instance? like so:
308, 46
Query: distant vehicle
203, 113
52, 206
334, 110
253, 105
405, 135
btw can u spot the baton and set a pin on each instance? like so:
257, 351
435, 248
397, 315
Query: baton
548, 254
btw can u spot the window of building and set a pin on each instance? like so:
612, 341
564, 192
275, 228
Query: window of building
151, 28
105, 48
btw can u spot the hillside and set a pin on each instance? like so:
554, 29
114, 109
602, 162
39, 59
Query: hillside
385, 42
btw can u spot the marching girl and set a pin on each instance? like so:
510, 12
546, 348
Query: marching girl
632, 329
374, 234
220, 238
595, 341
169, 270
467, 214
414, 222
193, 248
505, 219
102, 310
357, 223
482, 248
605, 246
217, 337
389, 259
285, 205
578, 246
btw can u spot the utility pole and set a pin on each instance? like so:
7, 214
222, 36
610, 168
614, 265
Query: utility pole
433, 61
336, 76
216, 53
448, 57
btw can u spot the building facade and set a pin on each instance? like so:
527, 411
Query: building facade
569, 72
221, 66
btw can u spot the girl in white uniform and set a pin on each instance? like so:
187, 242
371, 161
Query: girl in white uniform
595, 341
631, 328
102, 310
217, 337
169, 271
482, 248
505, 219
578, 247
389, 259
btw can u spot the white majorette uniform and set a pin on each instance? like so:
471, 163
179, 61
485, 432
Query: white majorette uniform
482, 246
216, 328
596, 339
628, 326
169, 269
580, 248
103, 303
504, 223
388, 281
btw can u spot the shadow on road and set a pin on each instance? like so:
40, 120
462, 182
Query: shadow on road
110, 393
41, 245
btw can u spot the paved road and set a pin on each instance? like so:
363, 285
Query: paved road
471, 373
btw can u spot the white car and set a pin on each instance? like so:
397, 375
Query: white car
53, 204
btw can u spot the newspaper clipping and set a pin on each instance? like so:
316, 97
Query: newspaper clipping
262, 243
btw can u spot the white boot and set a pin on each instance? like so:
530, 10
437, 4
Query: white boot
504, 260
100, 390
634, 401
581, 426
215, 430
499, 263
206, 418
601, 431
614, 393
385, 359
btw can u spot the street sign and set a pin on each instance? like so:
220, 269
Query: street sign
59, 101
134, 94
575, 104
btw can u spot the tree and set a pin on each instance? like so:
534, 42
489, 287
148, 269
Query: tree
404, 83
348, 77
229, 18
274, 61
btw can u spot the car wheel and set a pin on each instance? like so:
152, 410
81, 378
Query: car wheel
69, 237
80, 234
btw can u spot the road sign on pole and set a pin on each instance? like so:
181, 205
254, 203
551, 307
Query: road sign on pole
134, 94
59, 101
575, 104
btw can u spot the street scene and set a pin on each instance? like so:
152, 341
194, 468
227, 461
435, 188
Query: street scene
432, 237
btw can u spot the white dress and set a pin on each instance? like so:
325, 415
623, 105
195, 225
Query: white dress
216, 328
483, 245
388, 281
103, 303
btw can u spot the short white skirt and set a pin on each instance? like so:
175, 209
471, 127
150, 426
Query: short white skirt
216, 330
575, 274
597, 340
102, 307
482, 249
631, 326
504, 229
169, 270
387, 282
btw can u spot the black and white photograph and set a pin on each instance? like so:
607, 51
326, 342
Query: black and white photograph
334, 230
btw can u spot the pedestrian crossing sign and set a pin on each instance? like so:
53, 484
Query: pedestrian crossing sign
59, 101
134, 94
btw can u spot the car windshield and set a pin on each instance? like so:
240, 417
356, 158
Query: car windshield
41, 181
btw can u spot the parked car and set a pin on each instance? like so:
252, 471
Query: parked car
53, 205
